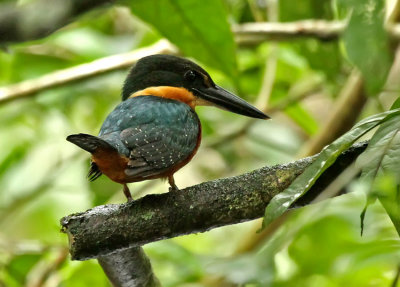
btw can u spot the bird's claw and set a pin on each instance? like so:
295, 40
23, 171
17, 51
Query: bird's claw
173, 188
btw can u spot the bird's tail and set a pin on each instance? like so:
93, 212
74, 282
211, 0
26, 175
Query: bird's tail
89, 143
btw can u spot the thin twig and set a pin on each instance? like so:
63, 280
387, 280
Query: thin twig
121, 61
255, 33
23, 22
392, 11
392, 86
271, 62
41, 277
97, 67
255, 11
258, 32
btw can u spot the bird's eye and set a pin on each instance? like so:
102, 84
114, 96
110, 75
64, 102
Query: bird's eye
190, 76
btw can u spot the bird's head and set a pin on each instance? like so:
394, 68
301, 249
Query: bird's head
180, 79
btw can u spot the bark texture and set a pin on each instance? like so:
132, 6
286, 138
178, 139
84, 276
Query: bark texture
129, 268
109, 228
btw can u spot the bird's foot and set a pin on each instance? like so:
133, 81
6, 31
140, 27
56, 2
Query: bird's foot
172, 184
173, 188
127, 193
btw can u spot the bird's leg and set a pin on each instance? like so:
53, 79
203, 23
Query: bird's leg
171, 182
127, 192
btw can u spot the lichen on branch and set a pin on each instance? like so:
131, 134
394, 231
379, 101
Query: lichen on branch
109, 228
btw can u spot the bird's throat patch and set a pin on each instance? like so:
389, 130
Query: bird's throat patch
174, 93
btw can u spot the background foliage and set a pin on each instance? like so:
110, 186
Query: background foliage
42, 177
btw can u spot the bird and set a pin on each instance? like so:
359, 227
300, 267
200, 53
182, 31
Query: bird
155, 130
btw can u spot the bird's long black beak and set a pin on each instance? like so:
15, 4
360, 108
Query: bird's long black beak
230, 102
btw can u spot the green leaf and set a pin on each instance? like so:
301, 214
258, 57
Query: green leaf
396, 104
281, 202
199, 28
381, 167
383, 152
367, 43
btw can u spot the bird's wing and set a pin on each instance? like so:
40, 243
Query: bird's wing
159, 134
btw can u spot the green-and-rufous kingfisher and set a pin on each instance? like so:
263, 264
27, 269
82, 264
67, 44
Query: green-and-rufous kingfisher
155, 130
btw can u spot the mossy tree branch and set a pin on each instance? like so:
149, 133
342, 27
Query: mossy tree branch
112, 228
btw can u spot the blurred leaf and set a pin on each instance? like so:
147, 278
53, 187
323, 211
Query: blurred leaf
340, 252
281, 202
199, 28
175, 263
307, 9
20, 265
239, 10
244, 269
6, 67
322, 56
367, 43
103, 189
388, 192
83, 274
302, 118
27, 66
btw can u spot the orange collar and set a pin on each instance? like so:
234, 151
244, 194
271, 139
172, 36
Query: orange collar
174, 93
